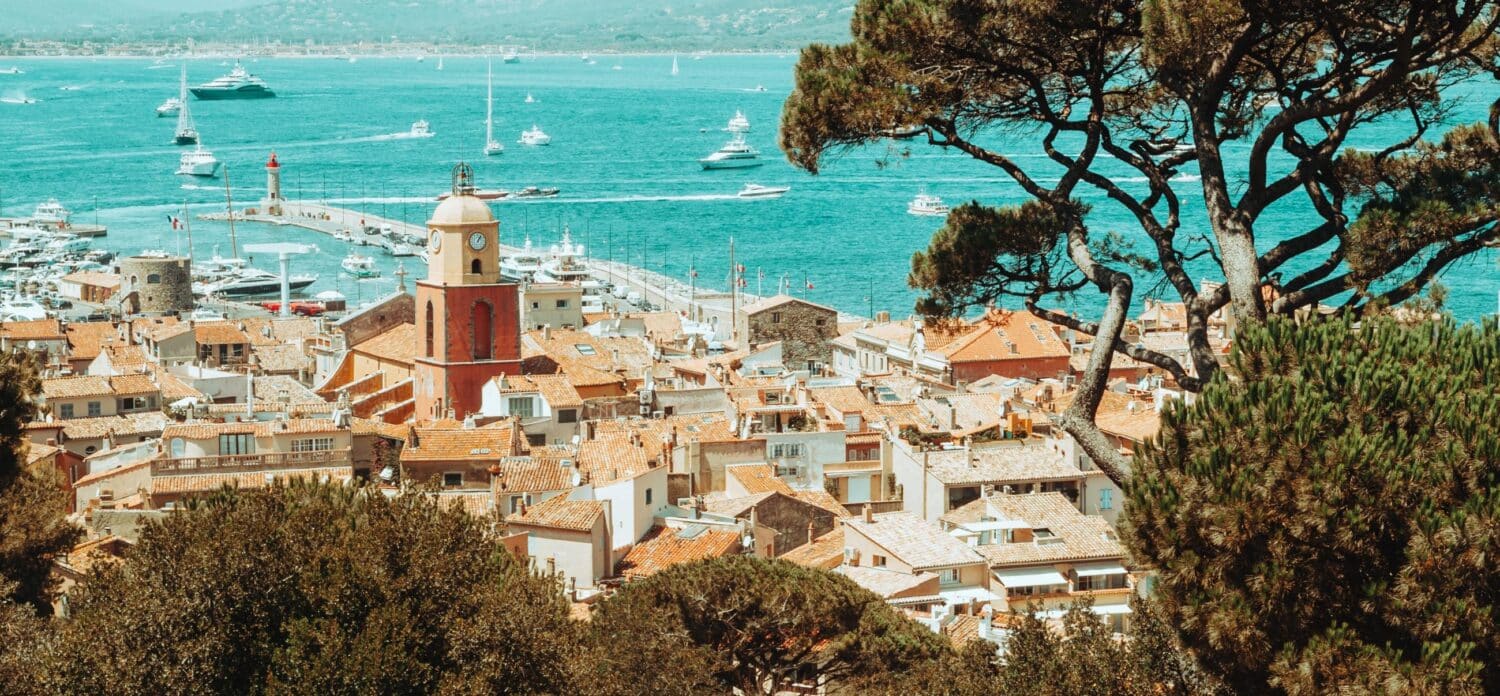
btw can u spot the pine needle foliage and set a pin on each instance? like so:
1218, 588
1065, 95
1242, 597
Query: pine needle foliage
1328, 520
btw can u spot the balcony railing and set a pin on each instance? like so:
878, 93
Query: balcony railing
242, 462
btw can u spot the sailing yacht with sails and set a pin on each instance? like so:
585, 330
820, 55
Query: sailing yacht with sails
186, 133
491, 145
674, 64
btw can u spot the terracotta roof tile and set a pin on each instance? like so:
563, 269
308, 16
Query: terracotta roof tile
133, 385
1017, 461
123, 355
214, 333
556, 389
86, 338
663, 547
539, 473
203, 483
75, 387
281, 357
447, 444
398, 344
758, 478
561, 513
917, 542
822, 499
131, 425
615, 457
883, 582
293, 426
94, 278
826, 551
779, 300
1078, 536
38, 329
1002, 335
845, 399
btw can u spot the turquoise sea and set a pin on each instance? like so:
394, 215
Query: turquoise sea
624, 149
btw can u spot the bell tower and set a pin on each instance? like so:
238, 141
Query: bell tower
468, 321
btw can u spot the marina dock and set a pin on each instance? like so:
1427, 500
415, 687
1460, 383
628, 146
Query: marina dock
669, 294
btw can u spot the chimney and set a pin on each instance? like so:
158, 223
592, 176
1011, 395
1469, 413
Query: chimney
869, 513
551, 565
810, 532
986, 621
546, 332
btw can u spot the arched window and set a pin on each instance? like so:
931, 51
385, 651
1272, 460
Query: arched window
429, 328
474, 266
482, 321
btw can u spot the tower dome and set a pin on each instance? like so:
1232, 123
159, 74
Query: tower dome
462, 210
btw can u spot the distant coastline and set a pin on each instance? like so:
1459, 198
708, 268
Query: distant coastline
366, 51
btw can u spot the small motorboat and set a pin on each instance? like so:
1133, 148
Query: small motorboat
481, 194
170, 107
360, 266
535, 136
420, 129
536, 192
758, 191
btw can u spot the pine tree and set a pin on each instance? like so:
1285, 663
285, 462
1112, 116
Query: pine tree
1329, 518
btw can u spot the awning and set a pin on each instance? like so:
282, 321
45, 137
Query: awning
1085, 570
1029, 577
1100, 609
993, 525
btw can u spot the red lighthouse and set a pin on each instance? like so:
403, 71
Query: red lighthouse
272, 203
468, 321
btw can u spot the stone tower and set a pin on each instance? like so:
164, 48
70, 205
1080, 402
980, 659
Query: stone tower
156, 284
468, 321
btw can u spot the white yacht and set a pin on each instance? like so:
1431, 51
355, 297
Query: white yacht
511, 56
359, 265
927, 205
523, 264
758, 191
51, 213
491, 145
738, 124
12, 70
69, 244
535, 136
198, 162
250, 282
530, 99
420, 129
170, 107
238, 84
565, 264
735, 154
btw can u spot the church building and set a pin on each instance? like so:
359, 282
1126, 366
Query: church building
468, 321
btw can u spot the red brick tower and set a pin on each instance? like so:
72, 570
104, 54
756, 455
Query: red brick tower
468, 322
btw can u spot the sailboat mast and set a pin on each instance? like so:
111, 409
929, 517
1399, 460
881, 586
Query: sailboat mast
234, 250
489, 104
734, 296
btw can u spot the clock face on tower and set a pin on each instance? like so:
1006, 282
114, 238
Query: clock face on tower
435, 240
477, 241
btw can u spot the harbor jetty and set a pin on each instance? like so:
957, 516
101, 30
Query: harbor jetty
354, 227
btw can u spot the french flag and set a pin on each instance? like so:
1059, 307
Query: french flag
176, 222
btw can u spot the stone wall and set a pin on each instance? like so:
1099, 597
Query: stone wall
395, 309
157, 285
804, 331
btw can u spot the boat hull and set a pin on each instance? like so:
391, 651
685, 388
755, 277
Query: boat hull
201, 170
267, 289
730, 163
250, 92
186, 140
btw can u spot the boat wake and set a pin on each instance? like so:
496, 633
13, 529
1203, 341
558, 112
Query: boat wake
636, 199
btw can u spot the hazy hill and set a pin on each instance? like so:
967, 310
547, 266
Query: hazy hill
542, 25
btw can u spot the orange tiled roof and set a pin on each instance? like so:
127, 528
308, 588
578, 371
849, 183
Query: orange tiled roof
664, 546
132, 385
124, 355
845, 399
85, 339
38, 329
556, 389
541, 472
94, 278
398, 344
826, 551
614, 458
447, 444
1002, 335
75, 387
758, 478
561, 513
202, 483
822, 499
293, 426
778, 301
215, 333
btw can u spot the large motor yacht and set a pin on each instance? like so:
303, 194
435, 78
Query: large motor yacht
198, 162
250, 282
522, 265
736, 154
927, 205
50, 213
238, 84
